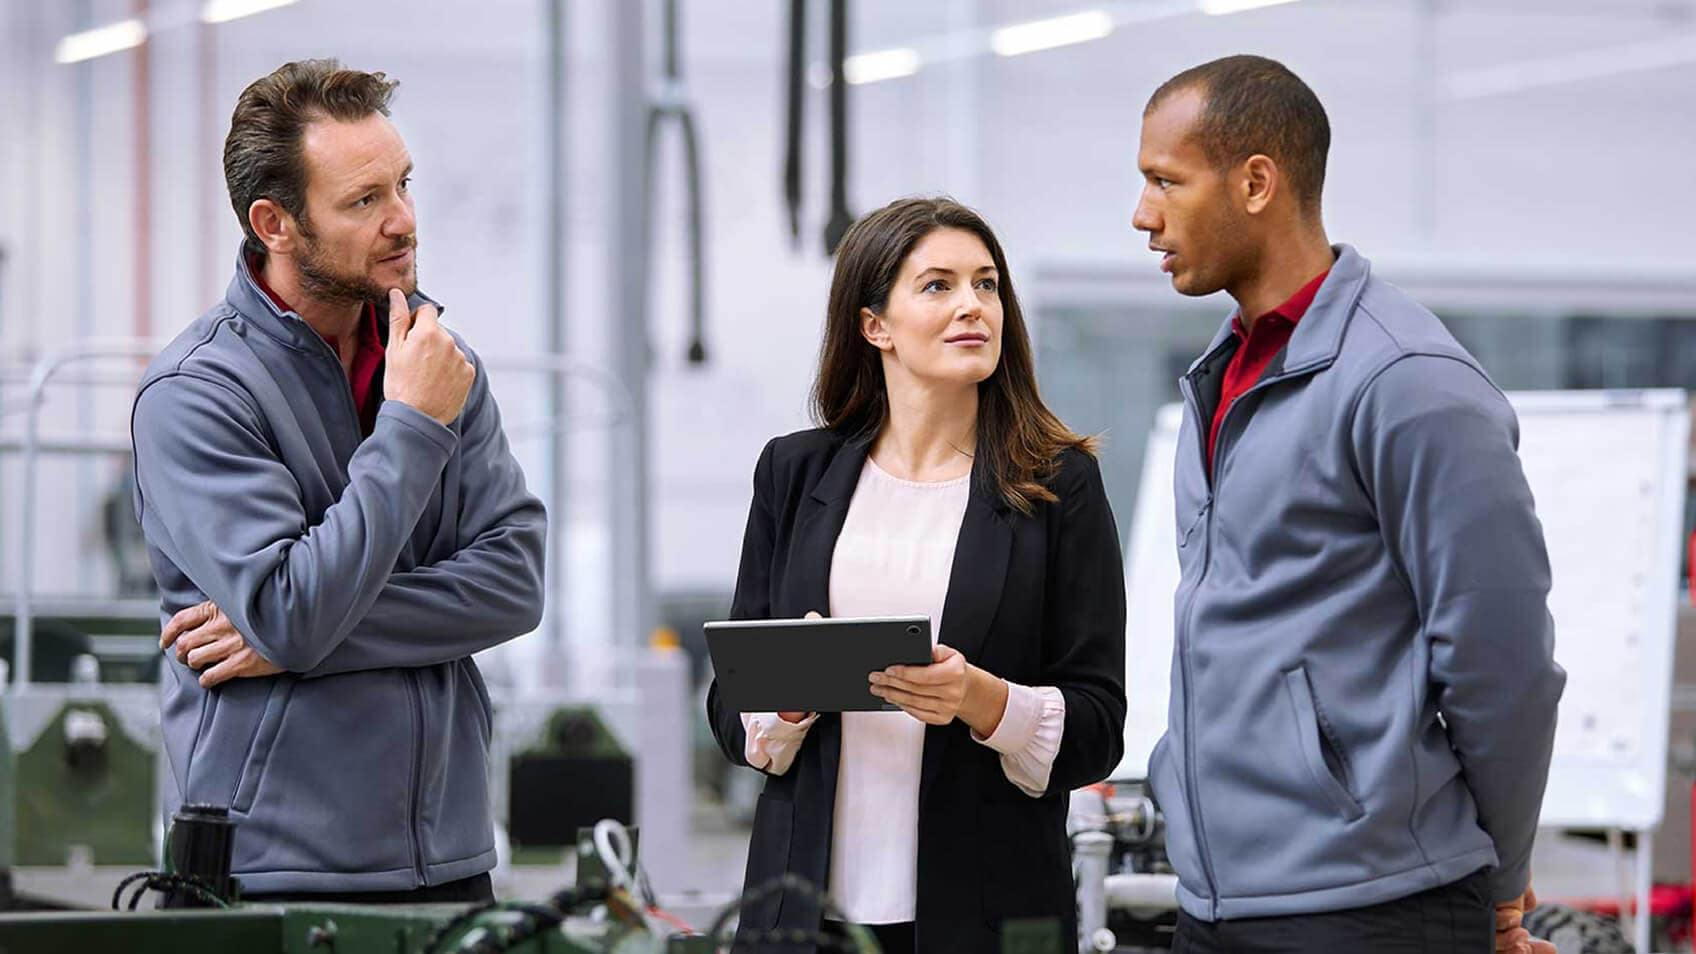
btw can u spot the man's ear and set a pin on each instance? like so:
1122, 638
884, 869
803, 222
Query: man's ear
875, 330
1261, 182
276, 228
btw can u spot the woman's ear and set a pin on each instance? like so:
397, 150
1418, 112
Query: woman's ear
874, 330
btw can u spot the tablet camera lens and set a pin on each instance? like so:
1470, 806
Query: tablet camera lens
913, 630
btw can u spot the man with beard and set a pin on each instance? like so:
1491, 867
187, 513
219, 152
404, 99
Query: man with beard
334, 521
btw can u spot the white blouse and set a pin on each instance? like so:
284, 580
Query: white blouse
893, 558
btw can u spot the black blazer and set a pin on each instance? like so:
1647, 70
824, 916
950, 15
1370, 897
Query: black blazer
1039, 600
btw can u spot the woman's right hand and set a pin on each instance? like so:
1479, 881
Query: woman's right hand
800, 716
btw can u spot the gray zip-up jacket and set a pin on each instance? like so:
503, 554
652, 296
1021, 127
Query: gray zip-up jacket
369, 568
1363, 684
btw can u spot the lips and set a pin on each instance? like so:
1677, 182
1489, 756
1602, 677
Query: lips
973, 338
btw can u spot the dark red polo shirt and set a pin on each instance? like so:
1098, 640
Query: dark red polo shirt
1256, 348
366, 360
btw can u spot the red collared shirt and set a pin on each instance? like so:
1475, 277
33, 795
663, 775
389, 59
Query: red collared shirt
366, 360
1256, 348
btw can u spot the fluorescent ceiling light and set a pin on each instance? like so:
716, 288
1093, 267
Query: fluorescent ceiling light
223, 11
1221, 7
112, 38
1048, 34
1571, 68
880, 65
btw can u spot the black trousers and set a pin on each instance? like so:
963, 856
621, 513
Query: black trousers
1456, 918
477, 889
891, 938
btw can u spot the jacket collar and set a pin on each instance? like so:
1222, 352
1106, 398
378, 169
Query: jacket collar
250, 301
1318, 337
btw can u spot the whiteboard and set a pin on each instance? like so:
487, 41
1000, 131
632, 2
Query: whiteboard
1608, 470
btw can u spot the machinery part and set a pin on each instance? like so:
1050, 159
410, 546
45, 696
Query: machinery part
8, 801
201, 845
85, 739
75, 788
672, 104
1577, 932
858, 938
292, 929
796, 91
615, 847
1147, 893
1136, 820
1091, 853
168, 885
840, 217
578, 775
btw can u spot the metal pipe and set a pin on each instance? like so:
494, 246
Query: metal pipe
141, 85
1091, 851
33, 446
22, 631
553, 311
628, 463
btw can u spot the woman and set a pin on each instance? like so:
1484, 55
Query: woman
938, 485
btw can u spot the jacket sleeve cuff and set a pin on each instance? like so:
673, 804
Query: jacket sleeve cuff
1028, 737
415, 420
1018, 721
1507, 884
773, 742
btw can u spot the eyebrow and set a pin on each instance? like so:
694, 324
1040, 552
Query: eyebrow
947, 271
364, 187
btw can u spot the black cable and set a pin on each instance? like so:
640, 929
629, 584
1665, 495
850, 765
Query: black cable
795, 83
697, 243
458, 921
535, 919
163, 881
840, 217
673, 69
788, 881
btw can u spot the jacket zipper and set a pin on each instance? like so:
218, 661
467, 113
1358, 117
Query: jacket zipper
417, 775
1194, 803
1210, 469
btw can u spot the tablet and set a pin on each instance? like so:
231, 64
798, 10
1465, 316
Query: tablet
812, 665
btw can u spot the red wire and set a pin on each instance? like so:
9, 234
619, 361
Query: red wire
671, 919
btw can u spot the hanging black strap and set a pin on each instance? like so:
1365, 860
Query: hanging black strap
840, 217
796, 84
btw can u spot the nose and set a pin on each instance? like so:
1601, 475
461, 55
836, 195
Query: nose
1145, 219
970, 306
401, 219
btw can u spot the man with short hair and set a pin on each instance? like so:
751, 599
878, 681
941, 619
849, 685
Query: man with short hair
335, 521
1363, 683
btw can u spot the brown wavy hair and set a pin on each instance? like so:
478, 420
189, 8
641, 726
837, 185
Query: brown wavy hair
1018, 437
263, 158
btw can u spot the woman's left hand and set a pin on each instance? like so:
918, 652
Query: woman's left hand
947, 689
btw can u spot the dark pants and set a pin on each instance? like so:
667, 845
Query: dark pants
1457, 918
891, 938
476, 889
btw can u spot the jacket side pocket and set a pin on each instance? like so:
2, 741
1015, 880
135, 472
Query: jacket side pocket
1313, 745
264, 738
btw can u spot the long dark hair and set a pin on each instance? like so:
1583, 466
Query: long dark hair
1018, 437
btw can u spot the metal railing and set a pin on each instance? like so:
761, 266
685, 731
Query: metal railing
51, 368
